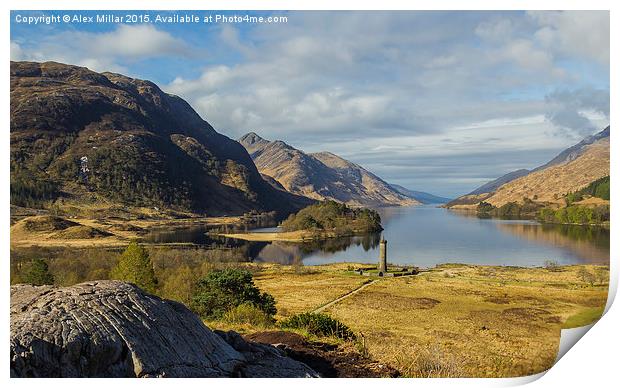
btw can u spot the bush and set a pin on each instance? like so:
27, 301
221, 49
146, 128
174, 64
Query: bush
37, 273
586, 276
247, 313
552, 266
575, 214
510, 209
223, 290
485, 207
318, 324
135, 266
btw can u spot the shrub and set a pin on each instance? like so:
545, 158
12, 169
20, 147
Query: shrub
586, 276
222, 290
247, 313
37, 273
485, 207
552, 266
318, 324
575, 214
178, 283
135, 266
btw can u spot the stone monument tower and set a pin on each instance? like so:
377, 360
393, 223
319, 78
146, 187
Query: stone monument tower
383, 256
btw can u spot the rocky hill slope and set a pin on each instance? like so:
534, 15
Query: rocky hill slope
421, 196
320, 175
571, 170
82, 137
113, 329
493, 185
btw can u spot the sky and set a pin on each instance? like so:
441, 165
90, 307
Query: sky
434, 101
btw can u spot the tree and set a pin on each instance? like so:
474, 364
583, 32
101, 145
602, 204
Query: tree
552, 265
586, 276
223, 290
135, 266
37, 273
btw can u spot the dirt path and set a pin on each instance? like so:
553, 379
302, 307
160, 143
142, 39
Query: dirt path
348, 294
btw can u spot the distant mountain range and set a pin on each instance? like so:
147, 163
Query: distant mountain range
100, 140
103, 139
420, 196
571, 170
321, 175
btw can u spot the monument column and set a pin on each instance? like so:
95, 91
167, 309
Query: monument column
383, 256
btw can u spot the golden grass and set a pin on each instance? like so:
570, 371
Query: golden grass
455, 320
120, 234
557, 180
584, 317
299, 289
295, 236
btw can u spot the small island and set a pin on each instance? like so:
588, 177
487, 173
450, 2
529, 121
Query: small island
327, 219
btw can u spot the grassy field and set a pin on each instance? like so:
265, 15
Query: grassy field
51, 231
455, 320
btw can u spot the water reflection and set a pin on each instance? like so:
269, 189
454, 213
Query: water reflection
422, 236
590, 243
426, 236
292, 253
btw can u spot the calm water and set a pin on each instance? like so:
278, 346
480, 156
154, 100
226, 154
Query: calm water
426, 236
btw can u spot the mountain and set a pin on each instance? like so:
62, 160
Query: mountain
101, 139
571, 170
321, 175
484, 191
493, 185
421, 196
575, 151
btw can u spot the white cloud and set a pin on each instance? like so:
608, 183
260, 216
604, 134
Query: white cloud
17, 53
528, 56
385, 89
578, 112
136, 42
495, 30
577, 33
103, 51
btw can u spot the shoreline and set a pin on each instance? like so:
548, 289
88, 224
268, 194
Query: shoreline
293, 236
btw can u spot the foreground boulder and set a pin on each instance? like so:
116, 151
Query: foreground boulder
114, 329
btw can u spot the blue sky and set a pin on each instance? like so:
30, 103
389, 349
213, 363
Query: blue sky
434, 101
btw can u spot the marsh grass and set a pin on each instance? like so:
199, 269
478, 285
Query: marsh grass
248, 314
583, 318
429, 361
476, 322
319, 324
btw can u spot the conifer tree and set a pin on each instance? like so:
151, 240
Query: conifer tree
38, 273
135, 266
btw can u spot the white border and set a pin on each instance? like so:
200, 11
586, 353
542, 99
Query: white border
592, 362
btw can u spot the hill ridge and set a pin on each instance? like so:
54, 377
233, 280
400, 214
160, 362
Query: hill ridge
321, 175
90, 138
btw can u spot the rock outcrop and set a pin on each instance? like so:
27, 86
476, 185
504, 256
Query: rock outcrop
114, 329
